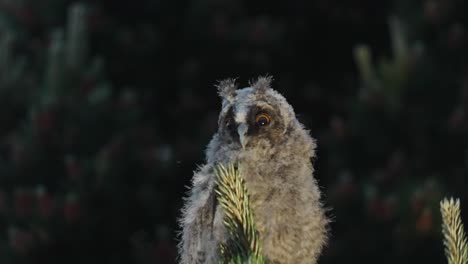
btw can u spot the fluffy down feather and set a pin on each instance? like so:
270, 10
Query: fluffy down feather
276, 164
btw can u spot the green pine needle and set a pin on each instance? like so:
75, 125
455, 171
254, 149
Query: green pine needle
243, 246
455, 242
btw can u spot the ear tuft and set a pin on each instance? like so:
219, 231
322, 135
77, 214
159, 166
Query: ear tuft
262, 83
227, 88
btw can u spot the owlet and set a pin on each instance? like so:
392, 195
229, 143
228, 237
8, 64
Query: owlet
258, 130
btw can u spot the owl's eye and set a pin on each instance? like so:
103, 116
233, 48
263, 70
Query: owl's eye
229, 123
262, 119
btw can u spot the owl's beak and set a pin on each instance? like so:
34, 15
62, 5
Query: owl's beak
242, 131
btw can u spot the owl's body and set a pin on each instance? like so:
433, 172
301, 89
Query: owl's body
259, 131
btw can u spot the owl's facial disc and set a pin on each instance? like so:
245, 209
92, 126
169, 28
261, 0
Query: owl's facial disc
252, 126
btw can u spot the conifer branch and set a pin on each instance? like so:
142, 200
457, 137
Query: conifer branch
456, 246
243, 245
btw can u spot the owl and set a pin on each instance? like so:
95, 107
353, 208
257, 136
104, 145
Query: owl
258, 130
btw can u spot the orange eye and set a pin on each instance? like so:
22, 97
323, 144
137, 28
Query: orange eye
262, 119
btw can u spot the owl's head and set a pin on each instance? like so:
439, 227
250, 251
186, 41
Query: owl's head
255, 115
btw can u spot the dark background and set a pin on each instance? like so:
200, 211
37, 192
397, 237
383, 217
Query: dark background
101, 127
